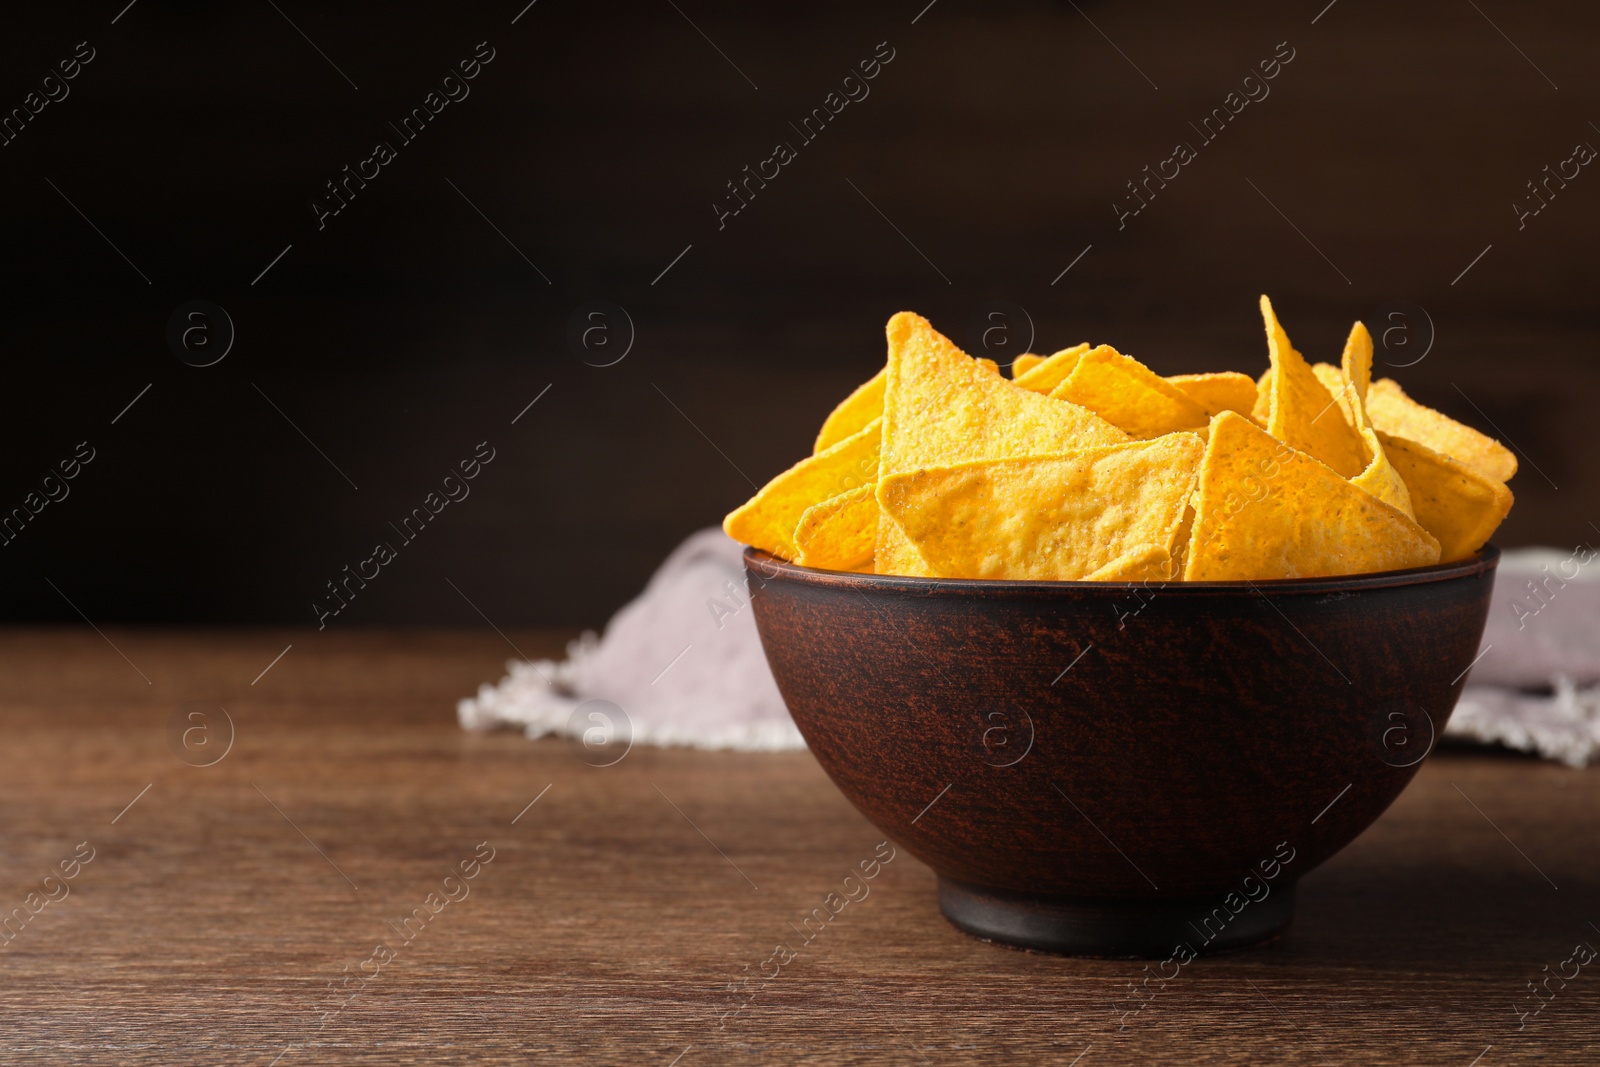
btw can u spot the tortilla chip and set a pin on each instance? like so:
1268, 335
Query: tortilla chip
1267, 510
854, 411
1332, 379
1023, 364
1216, 393
1458, 504
1145, 563
1303, 413
768, 519
1129, 395
1052, 371
1380, 477
893, 552
1180, 544
1261, 410
862, 406
1045, 517
838, 534
943, 407
1398, 415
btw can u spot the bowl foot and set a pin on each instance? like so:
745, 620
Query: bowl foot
1124, 929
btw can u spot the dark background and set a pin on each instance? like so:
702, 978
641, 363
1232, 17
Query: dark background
408, 330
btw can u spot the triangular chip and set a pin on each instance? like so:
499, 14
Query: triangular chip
1129, 395
1048, 517
1145, 563
1267, 510
768, 519
854, 411
1332, 379
1379, 478
1261, 410
862, 406
942, 407
1024, 363
1224, 391
838, 534
1458, 504
1398, 415
1348, 385
1300, 411
893, 552
1051, 371
1180, 543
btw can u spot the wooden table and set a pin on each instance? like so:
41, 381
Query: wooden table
226, 906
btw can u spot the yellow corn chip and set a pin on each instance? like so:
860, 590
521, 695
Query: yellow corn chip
838, 534
1380, 477
1261, 410
1180, 543
1225, 391
1348, 385
863, 405
1129, 395
1267, 510
942, 407
1052, 371
1332, 379
768, 519
1458, 504
893, 552
1049, 517
1145, 563
1023, 364
1398, 415
853, 412
1301, 412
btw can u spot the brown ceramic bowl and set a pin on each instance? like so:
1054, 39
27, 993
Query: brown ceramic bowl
1115, 769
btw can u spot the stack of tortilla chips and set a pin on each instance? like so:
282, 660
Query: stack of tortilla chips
1088, 466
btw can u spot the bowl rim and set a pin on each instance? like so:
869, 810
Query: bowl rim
766, 566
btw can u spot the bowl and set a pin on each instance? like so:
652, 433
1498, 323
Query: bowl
1115, 768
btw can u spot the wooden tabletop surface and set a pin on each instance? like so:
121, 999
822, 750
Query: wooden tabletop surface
234, 913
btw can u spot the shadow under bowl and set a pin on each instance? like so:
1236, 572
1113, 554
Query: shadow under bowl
1118, 768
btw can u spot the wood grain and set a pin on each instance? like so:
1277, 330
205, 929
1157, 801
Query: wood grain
607, 927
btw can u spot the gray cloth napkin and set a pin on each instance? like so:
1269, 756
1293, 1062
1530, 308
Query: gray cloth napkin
679, 665
682, 664
1534, 687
